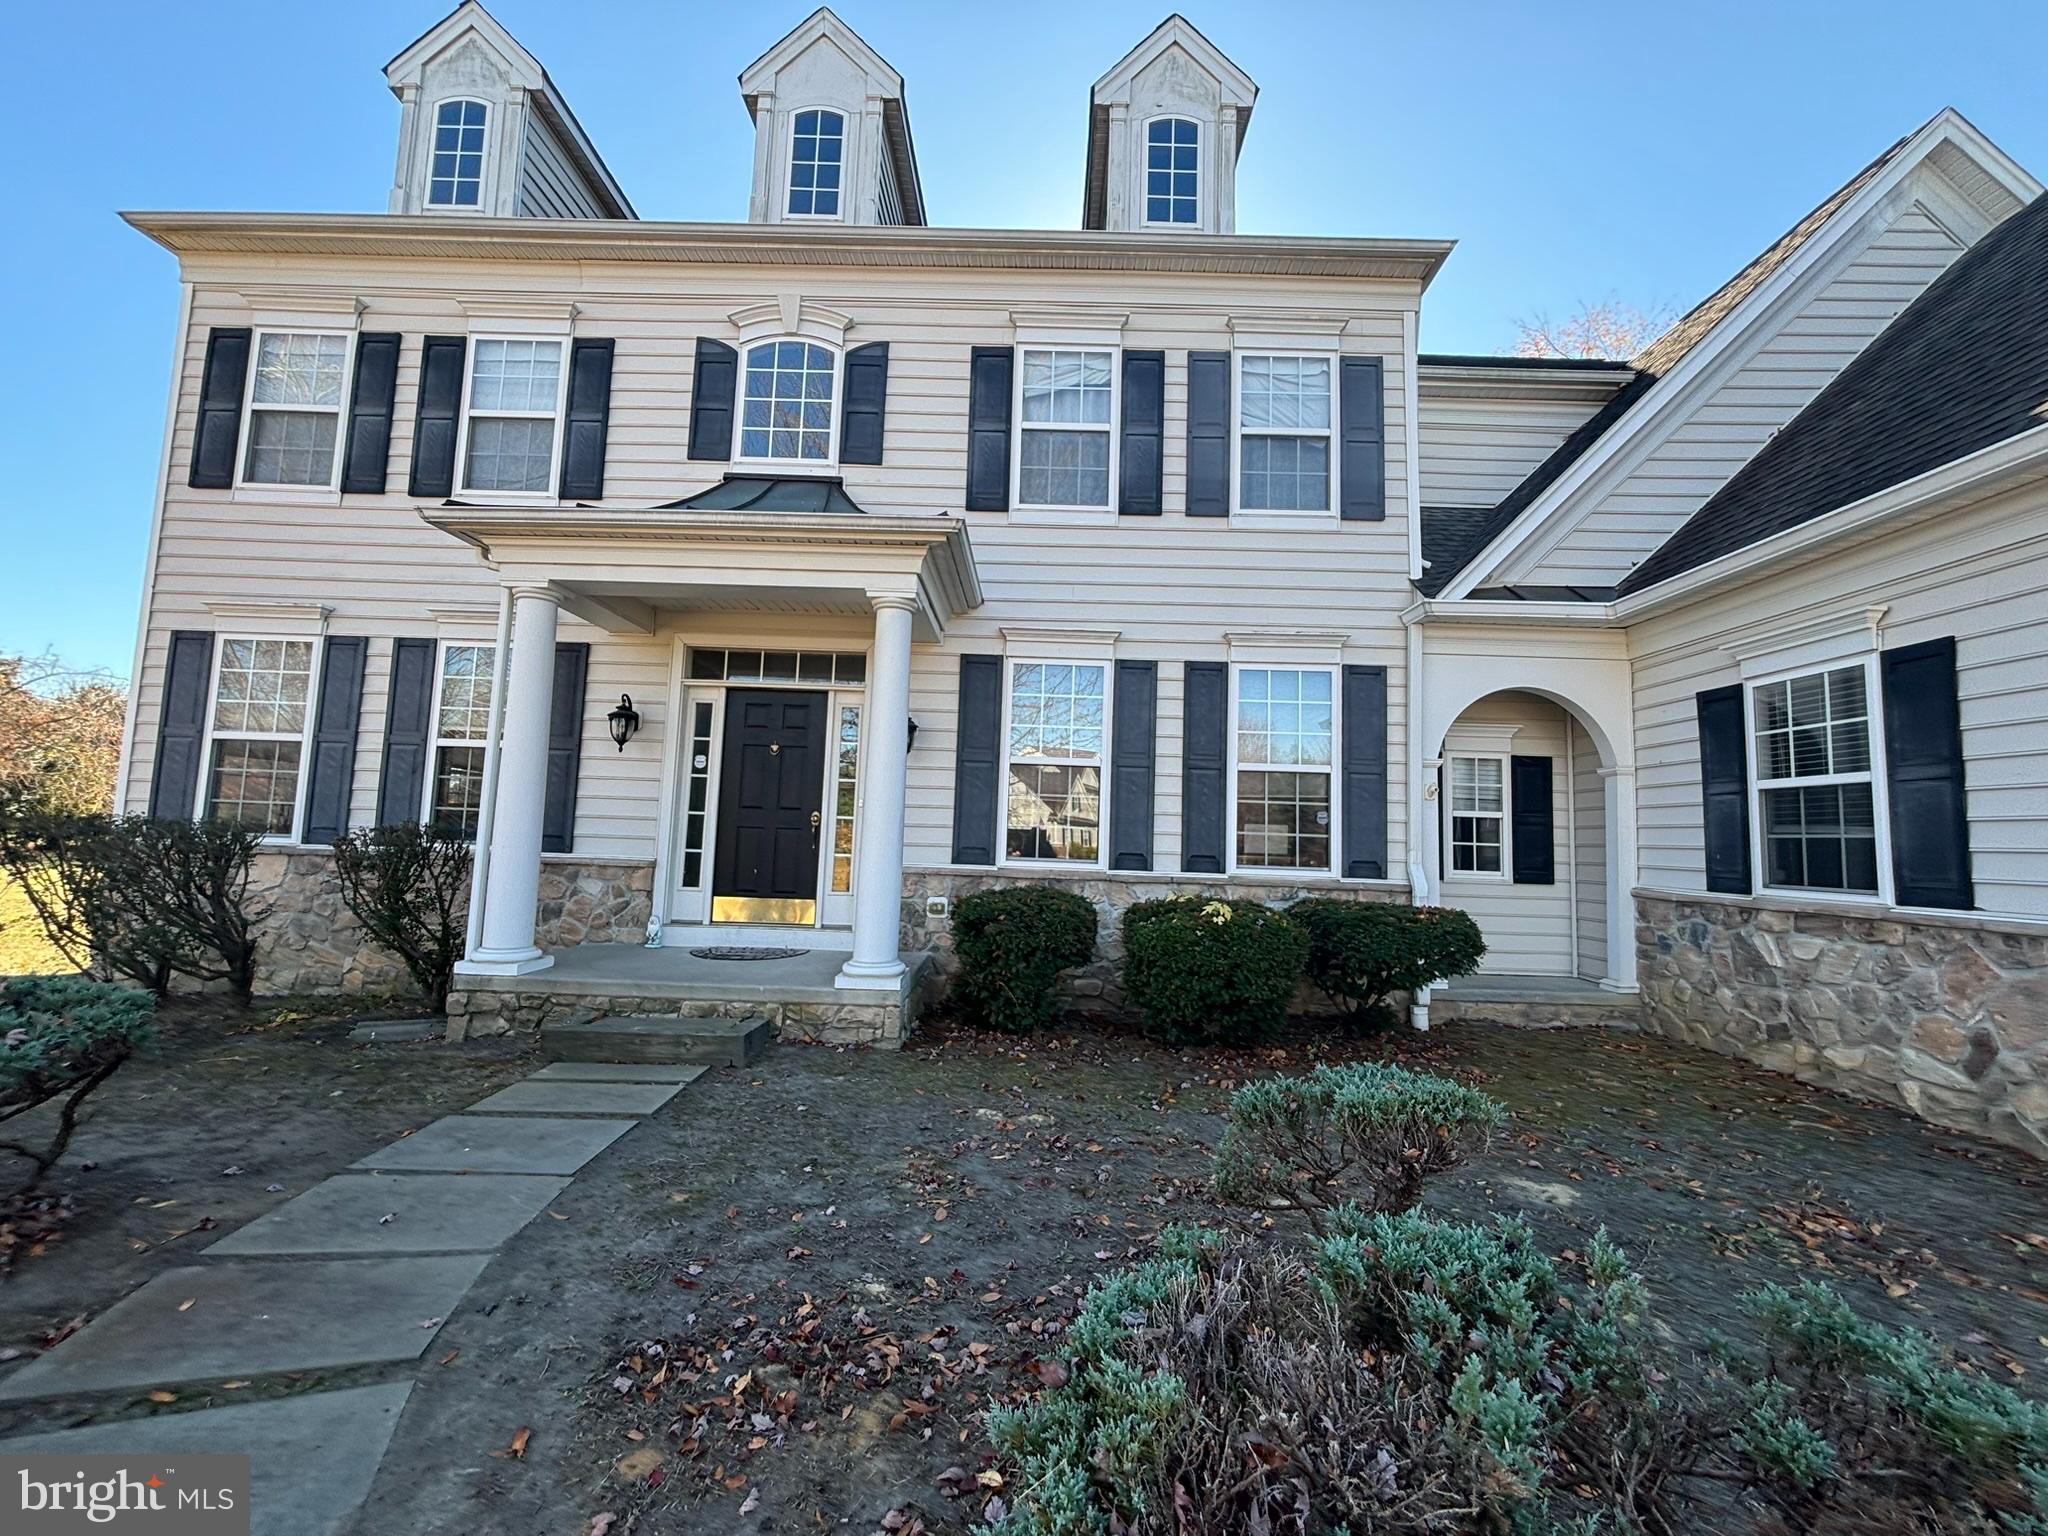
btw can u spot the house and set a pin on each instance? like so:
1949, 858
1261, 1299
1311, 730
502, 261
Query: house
812, 572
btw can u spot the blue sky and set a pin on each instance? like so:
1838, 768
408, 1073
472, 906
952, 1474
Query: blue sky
1576, 152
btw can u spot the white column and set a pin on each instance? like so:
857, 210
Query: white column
885, 742
512, 884
1430, 835
1621, 878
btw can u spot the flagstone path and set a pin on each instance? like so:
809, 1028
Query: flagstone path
357, 1272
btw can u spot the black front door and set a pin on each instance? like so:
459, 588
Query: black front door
770, 804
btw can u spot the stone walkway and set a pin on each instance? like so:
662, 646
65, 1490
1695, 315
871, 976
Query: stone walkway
357, 1272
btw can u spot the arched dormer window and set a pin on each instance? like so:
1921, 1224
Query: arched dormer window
457, 178
1173, 165
786, 405
817, 155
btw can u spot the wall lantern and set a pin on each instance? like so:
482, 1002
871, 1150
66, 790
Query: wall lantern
625, 720
913, 734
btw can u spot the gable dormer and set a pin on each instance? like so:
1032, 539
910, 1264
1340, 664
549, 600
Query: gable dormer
484, 131
831, 132
1164, 129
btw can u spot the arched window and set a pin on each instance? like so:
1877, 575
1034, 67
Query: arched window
786, 409
1173, 153
458, 175
816, 156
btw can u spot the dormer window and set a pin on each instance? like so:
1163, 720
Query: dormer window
817, 150
458, 174
786, 411
1173, 154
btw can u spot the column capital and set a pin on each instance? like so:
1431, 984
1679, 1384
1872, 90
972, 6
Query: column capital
544, 590
902, 600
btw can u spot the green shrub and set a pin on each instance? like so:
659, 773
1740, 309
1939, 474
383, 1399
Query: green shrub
1012, 943
409, 887
61, 1037
1211, 971
1361, 952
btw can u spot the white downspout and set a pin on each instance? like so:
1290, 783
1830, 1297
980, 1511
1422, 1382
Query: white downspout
487, 813
1421, 891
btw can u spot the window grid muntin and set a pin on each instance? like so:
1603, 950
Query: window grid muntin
786, 402
1066, 415
1286, 414
716, 664
1056, 724
456, 176
1818, 809
845, 797
1478, 813
462, 723
513, 414
258, 716
1283, 745
297, 388
817, 155
1173, 163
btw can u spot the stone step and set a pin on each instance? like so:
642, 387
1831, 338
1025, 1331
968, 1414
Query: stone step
669, 1038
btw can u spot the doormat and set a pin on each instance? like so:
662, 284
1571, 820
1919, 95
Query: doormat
735, 952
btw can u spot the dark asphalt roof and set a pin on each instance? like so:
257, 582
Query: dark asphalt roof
770, 493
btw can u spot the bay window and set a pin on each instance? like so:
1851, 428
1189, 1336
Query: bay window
256, 730
1816, 792
1058, 722
1283, 746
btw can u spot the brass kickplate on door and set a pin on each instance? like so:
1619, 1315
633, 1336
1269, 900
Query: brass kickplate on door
764, 909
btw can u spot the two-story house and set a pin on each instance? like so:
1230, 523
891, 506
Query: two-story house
771, 585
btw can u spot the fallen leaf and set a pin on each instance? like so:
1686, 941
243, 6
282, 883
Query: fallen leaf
635, 1465
187, 1304
599, 1524
449, 1358
752, 1503
161, 1396
233, 1386
517, 1449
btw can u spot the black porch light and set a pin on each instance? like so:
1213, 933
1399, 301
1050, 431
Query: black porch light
913, 734
625, 720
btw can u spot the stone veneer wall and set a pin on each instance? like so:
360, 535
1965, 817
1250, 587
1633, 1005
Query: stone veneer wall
503, 1010
1947, 1016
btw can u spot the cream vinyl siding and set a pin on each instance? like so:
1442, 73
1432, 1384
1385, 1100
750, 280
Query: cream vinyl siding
1172, 586
1588, 801
1474, 452
549, 186
1980, 575
1700, 455
1528, 928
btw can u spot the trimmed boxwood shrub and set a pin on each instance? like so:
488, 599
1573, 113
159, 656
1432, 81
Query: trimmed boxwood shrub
1013, 942
1361, 952
1211, 971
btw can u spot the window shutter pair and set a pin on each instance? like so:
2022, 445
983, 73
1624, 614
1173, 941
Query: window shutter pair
863, 402
1141, 433
1361, 437
585, 425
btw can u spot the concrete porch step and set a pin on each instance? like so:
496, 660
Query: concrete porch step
668, 1039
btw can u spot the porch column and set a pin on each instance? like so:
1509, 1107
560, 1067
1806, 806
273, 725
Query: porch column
1621, 878
885, 742
1429, 837
512, 884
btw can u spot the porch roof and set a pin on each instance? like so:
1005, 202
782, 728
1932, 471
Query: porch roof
772, 493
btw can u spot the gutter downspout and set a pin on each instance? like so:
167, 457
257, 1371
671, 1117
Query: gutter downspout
487, 813
1420, 890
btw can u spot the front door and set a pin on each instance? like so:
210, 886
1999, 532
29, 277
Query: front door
770, 807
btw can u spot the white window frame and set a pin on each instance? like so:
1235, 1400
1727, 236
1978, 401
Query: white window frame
484, 172
1106, 513
1328, 434
1107, 666
204, 798
1238, 667
245, 439
1201, 172
436, 740
739, 427
552, 493
1451, 871
1878, 777
789, 186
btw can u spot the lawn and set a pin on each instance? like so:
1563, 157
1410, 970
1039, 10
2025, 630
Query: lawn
24, 950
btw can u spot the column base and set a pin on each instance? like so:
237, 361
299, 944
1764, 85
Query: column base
504, 962
870, 975
1626, 988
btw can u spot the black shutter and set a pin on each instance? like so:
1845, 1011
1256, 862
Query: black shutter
1142, 468
219, 427
371, 399
181, 725
331, 775
1208, 434
988, 428
408, 733
565, 746
1204, 766
711, 397
589, 415
1132, 750
1724, 789
1923, 749
1534, 833
1361, 408
434, 419
977, 759
1365, 773
864, 404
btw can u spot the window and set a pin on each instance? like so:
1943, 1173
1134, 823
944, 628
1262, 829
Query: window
1054, 782
1816, 794
816, 152
711, 665
1068, 404
700, 794
1283, 418
295, 395
1286, 725
457, 180
257, 731
1478, 814
515, 389
845, 795
1173, 148
787, 409
462, 723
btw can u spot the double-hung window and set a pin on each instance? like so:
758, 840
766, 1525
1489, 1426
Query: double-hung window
1058, 721
1284, 742
295, 399
456, 179
1173, 151
817, 153
262, 693
514, 416
1479, 813
786, 407
1065, 447
1285, 406
462, 718
1816, 792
